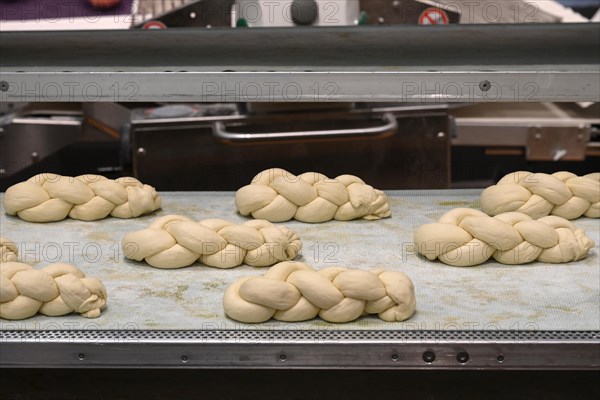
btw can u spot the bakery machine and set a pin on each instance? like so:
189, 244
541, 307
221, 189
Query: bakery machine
187, 110
414, 139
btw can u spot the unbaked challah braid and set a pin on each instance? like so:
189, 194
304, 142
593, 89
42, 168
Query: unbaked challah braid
562, 194
51, 197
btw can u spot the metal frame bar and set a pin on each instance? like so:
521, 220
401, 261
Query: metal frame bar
406, 349
414, 87
462, 63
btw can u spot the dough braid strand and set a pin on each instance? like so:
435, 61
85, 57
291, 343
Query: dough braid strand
562, 194
465, 237
174, 241
51, 197
293, 291
55, 290
277, 195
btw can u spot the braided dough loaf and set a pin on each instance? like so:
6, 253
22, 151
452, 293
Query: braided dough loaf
51, 197
8, 250
174, 241
293, 291
55, 290
465, 237
562, 194
276, 195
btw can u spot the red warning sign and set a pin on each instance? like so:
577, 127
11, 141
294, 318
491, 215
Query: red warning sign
433, 16
154, 25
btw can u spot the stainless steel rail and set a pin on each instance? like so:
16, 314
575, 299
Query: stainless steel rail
390, 127
462, 63
302, 349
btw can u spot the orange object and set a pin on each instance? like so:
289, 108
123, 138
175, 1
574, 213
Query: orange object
104, 3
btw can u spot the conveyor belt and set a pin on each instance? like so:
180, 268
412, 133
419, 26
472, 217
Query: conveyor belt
485, 306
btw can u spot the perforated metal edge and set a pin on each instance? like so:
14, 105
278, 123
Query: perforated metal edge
295, 336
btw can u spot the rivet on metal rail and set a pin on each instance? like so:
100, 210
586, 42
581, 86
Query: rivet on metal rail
462, 357
429, 357
485, 86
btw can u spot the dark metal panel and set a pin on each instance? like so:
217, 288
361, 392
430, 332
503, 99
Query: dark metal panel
26, 141
191, 158
384, 47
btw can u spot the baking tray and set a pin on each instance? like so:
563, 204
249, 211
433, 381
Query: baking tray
490, 316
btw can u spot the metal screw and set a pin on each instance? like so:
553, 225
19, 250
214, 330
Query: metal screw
193, 15
282, 357
381, 20
429, 357
141, 151
184, 358
396, 4
500, 358
580, 137
462, 357
485, 85
2, 171
81, 356
3, 86
441, 135
394, 357
35, 156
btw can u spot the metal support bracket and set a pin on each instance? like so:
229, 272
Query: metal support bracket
545, 143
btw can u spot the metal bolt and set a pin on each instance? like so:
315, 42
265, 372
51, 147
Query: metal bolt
500, 358
35, 156
580, 137
282, 357
429, 357
3, 86
2, 171
141, 151
396, 3
485, 85
81, 356
193, 15
184, 358
537, 136
462, 357
394, 357
441, 135
381, 20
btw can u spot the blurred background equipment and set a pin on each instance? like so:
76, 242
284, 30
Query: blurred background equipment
394, 145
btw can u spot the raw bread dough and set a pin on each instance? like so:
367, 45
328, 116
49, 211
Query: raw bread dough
276, 195
8, 250
465, 237
562, 194
174, 241
293, 291
51, 197
55, 290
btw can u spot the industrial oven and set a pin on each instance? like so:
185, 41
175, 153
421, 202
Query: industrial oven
431, 114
